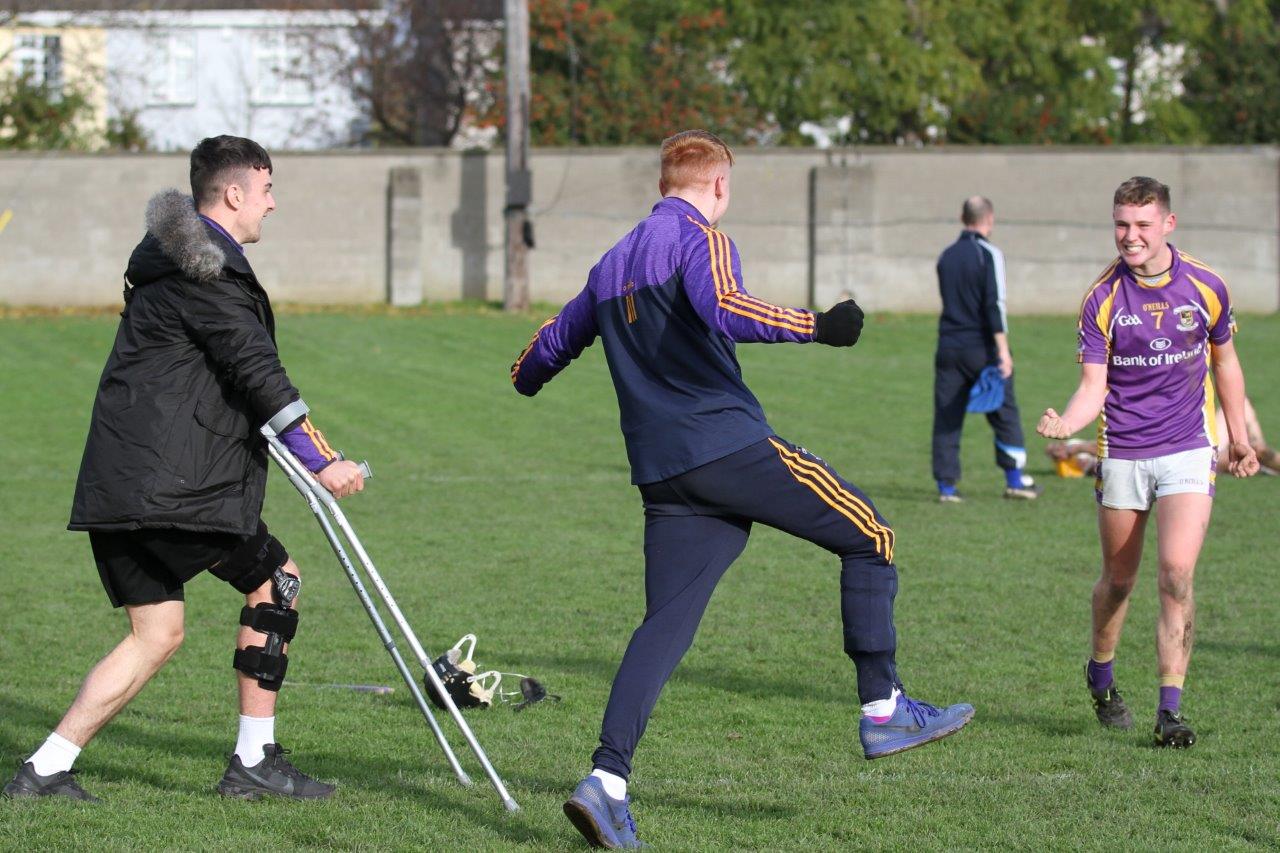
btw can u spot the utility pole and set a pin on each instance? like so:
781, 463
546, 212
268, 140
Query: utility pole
515, 286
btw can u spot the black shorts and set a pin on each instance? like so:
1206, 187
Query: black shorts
149, 565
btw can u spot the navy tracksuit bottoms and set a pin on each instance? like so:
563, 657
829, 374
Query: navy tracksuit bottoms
954, 372
696, 525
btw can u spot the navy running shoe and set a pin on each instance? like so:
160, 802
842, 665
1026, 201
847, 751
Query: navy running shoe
603, 821
912, 724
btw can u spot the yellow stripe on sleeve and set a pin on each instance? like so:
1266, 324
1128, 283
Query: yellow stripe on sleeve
1103, 317
1196, 262
770, 311
1211, 300
318, 440
515, 368
733, 308
714, 253
729, 298
726, 263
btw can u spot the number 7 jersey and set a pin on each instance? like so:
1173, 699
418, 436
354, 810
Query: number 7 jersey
1155, 335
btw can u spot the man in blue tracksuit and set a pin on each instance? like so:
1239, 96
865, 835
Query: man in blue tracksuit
973, 335
667, 303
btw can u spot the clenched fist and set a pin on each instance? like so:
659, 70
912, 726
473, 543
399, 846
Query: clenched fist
341, 478
1053, 426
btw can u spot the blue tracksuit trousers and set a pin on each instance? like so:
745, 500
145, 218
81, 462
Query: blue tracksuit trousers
696, 525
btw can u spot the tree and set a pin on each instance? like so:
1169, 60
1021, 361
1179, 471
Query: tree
41, 111
617, 72
1038, 80
34, 117
418, 68
1233, 87
1151, 45
627, 73
890, 67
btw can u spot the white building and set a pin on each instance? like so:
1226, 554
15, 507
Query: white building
273, 71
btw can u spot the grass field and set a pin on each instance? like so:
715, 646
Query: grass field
513, 518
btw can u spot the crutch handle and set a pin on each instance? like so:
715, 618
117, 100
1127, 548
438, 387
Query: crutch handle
365, 470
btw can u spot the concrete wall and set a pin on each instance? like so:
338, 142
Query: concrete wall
881, 218
809, 224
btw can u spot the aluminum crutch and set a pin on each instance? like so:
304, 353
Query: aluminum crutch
379, 625
317, 497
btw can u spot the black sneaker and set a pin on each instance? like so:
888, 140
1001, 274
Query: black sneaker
1171, 731
1109, 705
273, 776
28, 783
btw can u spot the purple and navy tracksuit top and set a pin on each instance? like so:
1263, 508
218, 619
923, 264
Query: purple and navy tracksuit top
301, 437
668, 303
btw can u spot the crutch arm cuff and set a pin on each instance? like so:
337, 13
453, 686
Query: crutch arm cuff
288, 416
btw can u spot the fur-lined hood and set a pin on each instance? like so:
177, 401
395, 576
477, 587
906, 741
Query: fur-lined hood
177, 241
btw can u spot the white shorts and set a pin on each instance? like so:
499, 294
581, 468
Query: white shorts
1137, 483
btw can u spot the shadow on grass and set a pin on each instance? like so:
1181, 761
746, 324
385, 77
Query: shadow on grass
718, 802
744, 682
355, 770
1053, 726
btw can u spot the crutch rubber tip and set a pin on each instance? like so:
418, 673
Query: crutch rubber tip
511, 805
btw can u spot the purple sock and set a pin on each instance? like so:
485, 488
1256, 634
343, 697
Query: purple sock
1100, 677
1170, 699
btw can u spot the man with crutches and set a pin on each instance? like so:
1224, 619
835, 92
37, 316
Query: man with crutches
174, 469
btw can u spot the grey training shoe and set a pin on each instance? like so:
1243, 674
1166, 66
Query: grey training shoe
602, 820
273, 776
27, 784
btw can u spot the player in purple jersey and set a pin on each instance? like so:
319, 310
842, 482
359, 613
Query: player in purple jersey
1151, 329
668, 306
1078, 457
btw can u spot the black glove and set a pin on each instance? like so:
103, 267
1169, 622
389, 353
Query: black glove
840, 326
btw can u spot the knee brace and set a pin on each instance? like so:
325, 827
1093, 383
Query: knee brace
279, 621
253, 562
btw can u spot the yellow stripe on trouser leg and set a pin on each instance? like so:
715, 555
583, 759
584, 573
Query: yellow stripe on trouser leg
826, 487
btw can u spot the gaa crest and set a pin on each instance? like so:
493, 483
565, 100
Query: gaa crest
1186, 317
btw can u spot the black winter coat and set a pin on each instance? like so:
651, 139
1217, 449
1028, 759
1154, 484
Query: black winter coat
194, 372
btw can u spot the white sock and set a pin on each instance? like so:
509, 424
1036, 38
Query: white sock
255, 733
614, 786
882, 707
55, 755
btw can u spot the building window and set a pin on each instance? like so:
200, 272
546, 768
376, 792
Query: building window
281, 61
38, 59
171, 69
